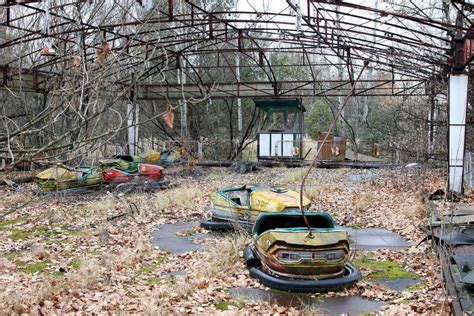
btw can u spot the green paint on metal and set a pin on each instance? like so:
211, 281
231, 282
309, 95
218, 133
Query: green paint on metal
274, 215
279, 104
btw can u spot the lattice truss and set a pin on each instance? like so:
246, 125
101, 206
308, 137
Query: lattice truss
197, 49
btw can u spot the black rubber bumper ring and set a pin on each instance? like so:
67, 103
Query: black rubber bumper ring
351, 275
209, 224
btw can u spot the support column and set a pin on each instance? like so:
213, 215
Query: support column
458, 84
432, 118
132, 129
341, 128
239, 100
183, 106
132, 121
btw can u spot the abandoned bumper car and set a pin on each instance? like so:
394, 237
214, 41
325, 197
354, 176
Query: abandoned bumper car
288, 256
119, 169
59, 178
238, 207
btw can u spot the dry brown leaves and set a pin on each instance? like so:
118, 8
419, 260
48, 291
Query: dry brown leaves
60, 255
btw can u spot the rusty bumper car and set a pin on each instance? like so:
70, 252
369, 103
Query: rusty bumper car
142, 172
59, 178
238, 207
286, 255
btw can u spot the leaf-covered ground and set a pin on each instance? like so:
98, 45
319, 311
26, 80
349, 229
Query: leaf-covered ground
59, 254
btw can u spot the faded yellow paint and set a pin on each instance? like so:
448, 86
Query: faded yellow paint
223, 204
269, 201
261, 200
271, 242
152, 157
300, 238
59, 178
57, 173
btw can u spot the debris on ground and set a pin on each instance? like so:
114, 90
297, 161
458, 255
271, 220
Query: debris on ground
104, 266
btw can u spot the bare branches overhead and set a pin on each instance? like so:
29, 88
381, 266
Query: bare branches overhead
402, 40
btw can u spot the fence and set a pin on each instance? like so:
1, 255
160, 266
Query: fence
219, 149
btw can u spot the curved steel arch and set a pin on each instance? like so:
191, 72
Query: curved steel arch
409, 45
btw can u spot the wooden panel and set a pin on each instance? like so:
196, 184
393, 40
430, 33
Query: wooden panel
334, 148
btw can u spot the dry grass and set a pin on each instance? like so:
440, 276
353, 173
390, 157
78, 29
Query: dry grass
224, 253
111, 272
417, 210
103, 205
179, 197
152, 307
363, 201
293, 175
93, 273
314, 193
216, 174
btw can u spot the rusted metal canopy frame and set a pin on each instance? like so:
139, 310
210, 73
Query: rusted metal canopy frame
202, 51
287, 88
262, 50
122, 35
109, 27
212, 19
428, 22
272, 39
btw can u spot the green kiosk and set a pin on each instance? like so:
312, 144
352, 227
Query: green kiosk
280, 129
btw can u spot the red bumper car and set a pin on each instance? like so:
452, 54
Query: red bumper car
143, 172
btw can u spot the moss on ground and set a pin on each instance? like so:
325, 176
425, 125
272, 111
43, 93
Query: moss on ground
38, 231
190, 232
10, 255
75, 263
58, 274
9, 222
44, 231
222, 305
146, 269
389, 270
150, 268
153, 281
416, 287
72, 232
19, 234
33, 268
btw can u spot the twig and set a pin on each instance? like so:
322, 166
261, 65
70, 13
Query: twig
351, 92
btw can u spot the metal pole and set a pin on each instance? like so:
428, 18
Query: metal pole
431, 125
183, 106
458, 87
342, 126
132, 120
239, 100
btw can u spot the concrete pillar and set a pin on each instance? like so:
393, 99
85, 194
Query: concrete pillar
458, 84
